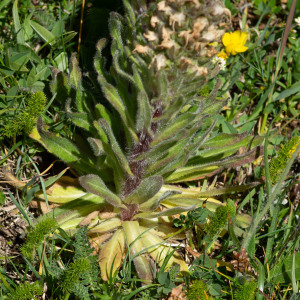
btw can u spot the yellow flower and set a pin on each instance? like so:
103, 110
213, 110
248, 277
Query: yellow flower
223, 55
234, 42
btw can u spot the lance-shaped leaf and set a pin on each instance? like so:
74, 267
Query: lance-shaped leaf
80, 119
144, 115
189, 197
157, 162
75, 209
191, 173
138, 80
64, 190
45, 34
171, 112
226, 146
119, 156
199, 171
99, 60
174, 164
111, 254
159, 252
173, 161
164, 213
153, 203
228, 189
106, 225
175, 127
162, 84
161, 228
187, 201
141, 261
103, 113
194, 146
196, 194
223, 140
119, 69
136, 59
75, 73
16, 21
71, 226
162, 149
96, 146
245, 158
129, 13
145, 191
94, 184
115, 28
103, 136
113, 97
65, 150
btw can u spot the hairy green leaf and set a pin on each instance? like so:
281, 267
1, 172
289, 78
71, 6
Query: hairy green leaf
94, 184
119, 156
65, 150
148, 188
106, 225
167, 212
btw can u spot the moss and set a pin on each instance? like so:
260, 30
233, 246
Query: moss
26, 120
26, 291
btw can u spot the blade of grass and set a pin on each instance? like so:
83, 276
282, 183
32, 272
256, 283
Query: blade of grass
279, 59
7, 286
32, 268
41, 180
130, 296
19, 207
272, 228
270, 200
80, 29
294, 283
16, 146
260, 279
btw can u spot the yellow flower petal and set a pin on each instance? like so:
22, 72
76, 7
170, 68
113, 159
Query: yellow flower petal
226, 39
241, 49
230, 49
236, 36
234, 42
243, 37
223, 55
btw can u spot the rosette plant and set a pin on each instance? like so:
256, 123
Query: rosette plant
142, 126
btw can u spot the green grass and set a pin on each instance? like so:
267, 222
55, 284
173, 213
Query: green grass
264, 100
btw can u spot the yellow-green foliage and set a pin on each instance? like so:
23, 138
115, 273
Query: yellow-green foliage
220, 218
245, 291
26, 120
26, 291
197, 291
278, 163
36, 235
